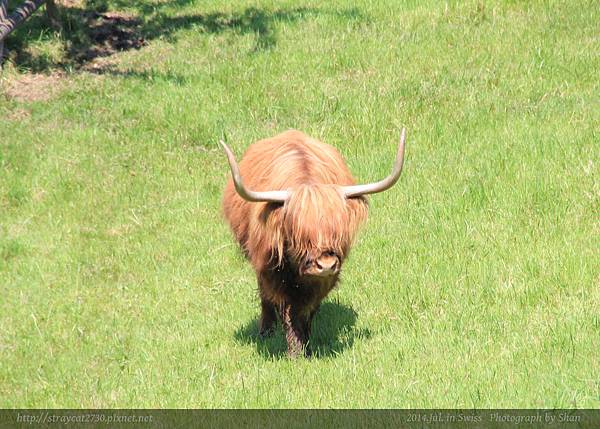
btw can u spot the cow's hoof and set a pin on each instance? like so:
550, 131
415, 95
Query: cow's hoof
295, 353
266, 332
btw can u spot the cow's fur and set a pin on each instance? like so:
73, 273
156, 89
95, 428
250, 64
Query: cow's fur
278, 237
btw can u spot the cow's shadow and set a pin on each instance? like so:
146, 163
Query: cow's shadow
333, 331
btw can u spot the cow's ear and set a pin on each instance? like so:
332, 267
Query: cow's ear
268, 212
360, 199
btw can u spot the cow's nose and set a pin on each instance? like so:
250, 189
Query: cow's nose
327, 265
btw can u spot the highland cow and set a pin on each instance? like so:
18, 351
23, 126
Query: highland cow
294, 208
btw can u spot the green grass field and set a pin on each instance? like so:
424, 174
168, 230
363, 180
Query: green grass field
475, 282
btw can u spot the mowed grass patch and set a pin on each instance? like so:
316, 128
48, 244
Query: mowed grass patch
475, 283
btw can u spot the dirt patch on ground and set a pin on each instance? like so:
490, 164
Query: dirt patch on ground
17, 115
34, 86
71, 3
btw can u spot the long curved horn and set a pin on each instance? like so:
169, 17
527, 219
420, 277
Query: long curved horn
382, 185
247, 194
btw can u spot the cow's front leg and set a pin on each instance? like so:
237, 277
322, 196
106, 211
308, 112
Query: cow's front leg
268, 312
268, 317
296, 327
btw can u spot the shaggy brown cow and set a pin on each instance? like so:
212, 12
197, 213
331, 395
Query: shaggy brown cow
295, 214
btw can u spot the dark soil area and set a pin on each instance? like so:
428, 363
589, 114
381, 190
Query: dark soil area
109, 33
